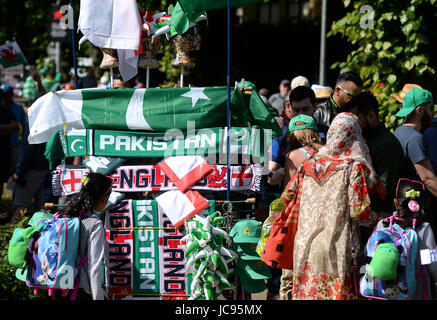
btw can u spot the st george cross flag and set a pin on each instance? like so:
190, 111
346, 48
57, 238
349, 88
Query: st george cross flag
11, 55
184, 171
154, 109
180, 206
193, 5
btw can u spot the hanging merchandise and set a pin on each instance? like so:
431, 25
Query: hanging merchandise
143, 178
180, 206
180, 29
149, 46
103, 165
110, 143
154, 109
184, 171
251, 270
113, 25
208, 258
110, 58
144, 252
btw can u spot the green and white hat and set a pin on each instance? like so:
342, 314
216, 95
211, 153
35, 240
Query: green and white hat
247, 251
414, 98
246, 231
309, 123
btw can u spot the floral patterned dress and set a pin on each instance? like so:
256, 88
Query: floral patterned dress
334, 201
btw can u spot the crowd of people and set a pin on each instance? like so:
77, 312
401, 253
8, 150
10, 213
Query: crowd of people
336, 167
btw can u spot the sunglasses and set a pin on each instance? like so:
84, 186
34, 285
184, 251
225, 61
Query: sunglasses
349, 93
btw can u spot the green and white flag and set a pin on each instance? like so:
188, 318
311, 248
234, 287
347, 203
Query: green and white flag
195, 5
11, 55
126, 144
154, 109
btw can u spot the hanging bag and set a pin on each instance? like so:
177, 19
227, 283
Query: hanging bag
278, 249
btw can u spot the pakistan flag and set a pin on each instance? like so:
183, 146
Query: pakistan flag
154, 109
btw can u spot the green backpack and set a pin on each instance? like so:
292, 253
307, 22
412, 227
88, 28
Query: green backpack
22, 236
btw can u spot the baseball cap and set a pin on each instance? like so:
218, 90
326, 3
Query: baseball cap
246, 231
255, 269
299, 81
413, 98
250, 285
310, 123
247, 251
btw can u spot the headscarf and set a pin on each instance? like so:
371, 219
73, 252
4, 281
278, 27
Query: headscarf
345, 144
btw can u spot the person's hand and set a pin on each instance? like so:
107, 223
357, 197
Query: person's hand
277, 177
15, 177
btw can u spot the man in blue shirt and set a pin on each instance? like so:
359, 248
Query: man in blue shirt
418, 110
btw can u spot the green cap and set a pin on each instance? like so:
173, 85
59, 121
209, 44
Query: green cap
246, 231
247, 251
413, 98
310, 123
255, 269
250, 285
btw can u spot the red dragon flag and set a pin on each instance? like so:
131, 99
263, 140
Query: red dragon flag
184, 171
11, 55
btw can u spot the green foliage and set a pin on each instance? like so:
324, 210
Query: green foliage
391, 46
10, 287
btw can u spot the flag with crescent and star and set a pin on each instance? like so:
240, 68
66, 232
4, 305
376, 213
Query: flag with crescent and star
153, 109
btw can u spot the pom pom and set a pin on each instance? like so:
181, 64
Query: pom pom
413, 206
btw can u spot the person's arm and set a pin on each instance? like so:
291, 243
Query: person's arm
96, 253
289, 169
426, 174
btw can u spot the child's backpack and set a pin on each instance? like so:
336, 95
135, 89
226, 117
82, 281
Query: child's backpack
18, 245
53, 264
391, 269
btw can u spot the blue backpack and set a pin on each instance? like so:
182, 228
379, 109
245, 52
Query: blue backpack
381, 244
54, 262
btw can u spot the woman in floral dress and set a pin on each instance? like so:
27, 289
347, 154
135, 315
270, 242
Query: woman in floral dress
334, 191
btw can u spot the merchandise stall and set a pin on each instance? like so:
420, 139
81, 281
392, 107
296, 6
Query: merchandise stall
187, 165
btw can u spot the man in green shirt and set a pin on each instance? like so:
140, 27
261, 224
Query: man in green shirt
385, 149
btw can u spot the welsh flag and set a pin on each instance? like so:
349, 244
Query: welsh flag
193, 5
11, 55
154, 109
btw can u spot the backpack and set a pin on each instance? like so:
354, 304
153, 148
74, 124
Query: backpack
53, 264
390, 273
19, 243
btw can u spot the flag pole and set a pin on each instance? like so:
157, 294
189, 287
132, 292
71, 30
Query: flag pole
228, 85
147, 76
73, 40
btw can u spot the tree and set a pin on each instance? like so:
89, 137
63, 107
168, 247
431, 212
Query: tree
392, 46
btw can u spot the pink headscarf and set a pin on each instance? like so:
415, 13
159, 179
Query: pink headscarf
345, 143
